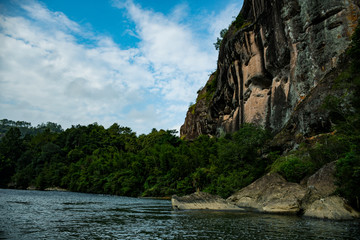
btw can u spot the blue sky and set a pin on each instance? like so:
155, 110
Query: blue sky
134, 62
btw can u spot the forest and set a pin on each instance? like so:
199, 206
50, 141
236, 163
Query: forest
117, 161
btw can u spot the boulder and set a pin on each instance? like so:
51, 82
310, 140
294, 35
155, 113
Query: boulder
271, 194
201, 201
333, 207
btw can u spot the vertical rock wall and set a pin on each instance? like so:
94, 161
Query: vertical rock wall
268, 67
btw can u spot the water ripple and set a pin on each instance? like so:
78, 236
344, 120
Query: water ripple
66, 215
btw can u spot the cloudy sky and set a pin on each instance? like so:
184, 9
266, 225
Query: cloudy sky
137, 63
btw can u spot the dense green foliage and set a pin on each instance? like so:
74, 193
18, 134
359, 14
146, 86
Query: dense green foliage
117, 161
293, 168
348, 175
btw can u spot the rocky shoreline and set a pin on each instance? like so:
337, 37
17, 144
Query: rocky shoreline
315, 197
59, 189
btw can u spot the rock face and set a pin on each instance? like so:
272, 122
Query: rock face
271, 65
332, 207
273, 194
323, 181
201, 201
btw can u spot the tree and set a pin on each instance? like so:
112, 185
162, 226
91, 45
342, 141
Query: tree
219, 40
11, 148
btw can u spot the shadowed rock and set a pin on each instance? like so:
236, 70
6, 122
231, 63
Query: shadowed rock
269, 68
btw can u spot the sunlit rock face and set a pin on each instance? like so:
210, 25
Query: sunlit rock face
270, 65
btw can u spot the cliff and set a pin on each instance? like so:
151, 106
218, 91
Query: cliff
275, 67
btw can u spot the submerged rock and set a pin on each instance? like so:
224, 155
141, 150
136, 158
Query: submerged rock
201, 201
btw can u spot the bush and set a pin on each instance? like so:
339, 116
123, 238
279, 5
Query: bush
219, 40
348, 177
239, 21
292, 168
331, 148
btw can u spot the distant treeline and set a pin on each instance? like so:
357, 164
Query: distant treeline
26, 128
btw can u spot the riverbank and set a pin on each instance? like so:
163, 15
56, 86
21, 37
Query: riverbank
59, 189
315, 197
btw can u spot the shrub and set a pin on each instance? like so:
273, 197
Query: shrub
239, 21
192, 108
219, 40
292, 168
348, 177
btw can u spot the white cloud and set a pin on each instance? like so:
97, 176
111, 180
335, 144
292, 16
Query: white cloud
65, 81
221, 20
48, 73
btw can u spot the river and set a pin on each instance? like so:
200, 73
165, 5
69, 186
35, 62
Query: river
68, 215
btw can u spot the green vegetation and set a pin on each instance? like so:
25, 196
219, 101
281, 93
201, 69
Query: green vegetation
206, 93
192, 108
116, 161
240, 22
211, 86
219, 40
293, 168
26, 128
348, 175
237, 24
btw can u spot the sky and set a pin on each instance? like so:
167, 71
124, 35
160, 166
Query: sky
137, 63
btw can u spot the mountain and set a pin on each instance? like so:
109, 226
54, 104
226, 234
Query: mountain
277, 63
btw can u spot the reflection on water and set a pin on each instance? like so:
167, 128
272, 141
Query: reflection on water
67, 215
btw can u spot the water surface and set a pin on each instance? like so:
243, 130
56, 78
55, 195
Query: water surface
68, 215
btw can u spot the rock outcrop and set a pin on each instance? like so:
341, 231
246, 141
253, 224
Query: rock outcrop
273, 194
332, 207
201, 201
270, 67
319, 200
